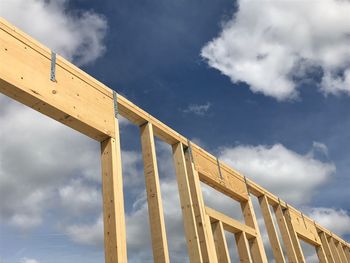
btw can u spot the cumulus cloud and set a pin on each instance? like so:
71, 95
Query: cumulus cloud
38, 157
78, 35
272, 45
86, 234
292, 176
328, 216
198, 109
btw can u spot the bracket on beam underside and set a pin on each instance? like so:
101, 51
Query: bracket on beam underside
115, 100
217, 160
53, 67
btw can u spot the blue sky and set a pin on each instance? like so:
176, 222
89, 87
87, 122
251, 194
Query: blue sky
265, 91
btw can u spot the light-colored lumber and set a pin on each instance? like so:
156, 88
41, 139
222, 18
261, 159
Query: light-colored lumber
205, 234
347, 252
113, 200
230, 224
243, 248
326, 247
334, 250
287, 241
25, 77
155, 207
188, 214
257, 247
221, 179
86, 105
220, 243
294, 237
321, 254
341, 252
271, 230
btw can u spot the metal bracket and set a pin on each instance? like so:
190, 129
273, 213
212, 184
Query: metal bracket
217, 161
115, 98
53, 67
246, 185
189, 148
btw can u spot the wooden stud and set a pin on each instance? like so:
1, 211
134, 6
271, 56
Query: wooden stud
271, 230
341, 252
188, 214
347, 253
220, 243
334, 250
113, 200
155, 207
321, 254
257, 246
326, 247
282, 224
206, 239
294, 237
243, 248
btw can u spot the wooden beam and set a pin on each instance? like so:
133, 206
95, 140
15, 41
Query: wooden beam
287, 240
271, 230
155, 207
326, 247
222, 179
347, 252
113, 200
321, 254
341, 252
70, 100
205, 234
294, 237
257, 247
230, 224
220, 243
188, 214
243, 247
334, 250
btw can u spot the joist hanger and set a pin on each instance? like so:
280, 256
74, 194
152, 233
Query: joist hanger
217, 161
189, 149
53, 67
115, 101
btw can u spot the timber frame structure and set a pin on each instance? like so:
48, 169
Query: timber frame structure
31, 74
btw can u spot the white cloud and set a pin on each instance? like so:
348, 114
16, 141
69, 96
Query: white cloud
336, 220
86, 234
198, 109
39, 156
77, 36
292, 176
271, 44
78, 198
28, 260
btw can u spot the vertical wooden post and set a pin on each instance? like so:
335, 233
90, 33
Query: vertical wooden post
326, 247
294, 237
243, 248
334, 249
257, 246
347, 252
220, 243
205, 235
188, 214
282, 224
271, 230
155, 207
113, 200
321, 254
341, 252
